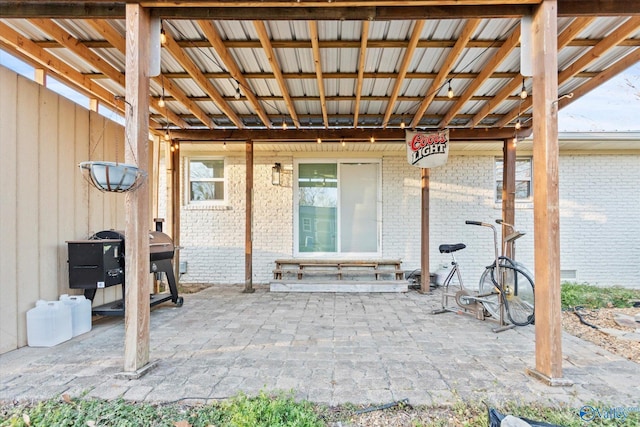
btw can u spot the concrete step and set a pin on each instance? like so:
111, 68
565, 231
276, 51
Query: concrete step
338, 286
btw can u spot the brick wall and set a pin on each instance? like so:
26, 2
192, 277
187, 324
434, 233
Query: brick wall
599, 231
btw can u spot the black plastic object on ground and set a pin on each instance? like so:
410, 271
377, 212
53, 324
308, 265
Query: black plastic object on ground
495, 419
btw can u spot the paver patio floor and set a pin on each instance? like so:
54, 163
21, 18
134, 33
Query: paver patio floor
328, 348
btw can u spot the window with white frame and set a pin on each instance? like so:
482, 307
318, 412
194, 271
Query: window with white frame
206, 180
523, 179
337, 207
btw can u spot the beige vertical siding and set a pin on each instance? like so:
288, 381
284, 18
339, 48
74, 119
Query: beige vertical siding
45, 201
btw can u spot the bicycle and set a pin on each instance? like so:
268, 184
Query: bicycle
506, 286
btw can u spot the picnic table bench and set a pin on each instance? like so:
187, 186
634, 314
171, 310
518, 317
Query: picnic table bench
339, 268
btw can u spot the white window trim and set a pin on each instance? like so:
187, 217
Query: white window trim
518, 203
187, 184
296, 225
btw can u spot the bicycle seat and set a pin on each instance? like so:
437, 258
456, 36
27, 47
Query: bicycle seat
447, 249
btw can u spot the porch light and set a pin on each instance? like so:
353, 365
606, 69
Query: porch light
275, 174
450, 91
523, 92
113, 177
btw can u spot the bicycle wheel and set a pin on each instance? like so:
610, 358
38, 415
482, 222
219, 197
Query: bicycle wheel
519, 296
488, 292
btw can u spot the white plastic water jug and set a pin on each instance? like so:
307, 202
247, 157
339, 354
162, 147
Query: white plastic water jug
80, 313
49, 323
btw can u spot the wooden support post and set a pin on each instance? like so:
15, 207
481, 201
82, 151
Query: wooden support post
424, 239
248, 243
545, 194
137, 277
175, 207
508, 189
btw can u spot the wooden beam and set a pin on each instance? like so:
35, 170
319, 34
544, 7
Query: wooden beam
564, 38
363, 10
248, 230
265, 42
425, 277
602, 77
137, 277
545, 193
332, 44
628, 27
317, 59
348, 134
487, 70
508, 190
447, 66
72, 44
117, 41
57, 67
402, 71
336, 11
361, 64
194, 71
212, 34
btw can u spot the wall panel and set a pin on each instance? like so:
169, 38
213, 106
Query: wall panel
45, 199
8, 220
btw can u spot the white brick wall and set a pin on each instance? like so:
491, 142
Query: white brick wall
599, 229
600, 218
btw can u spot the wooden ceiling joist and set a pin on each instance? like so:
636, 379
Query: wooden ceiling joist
265, 42
214, 38
317, 59
576, 26
445, 69
362, 56
402, 71
335, 44
630, 26
602, 77
57, 67
190, 67
497, 58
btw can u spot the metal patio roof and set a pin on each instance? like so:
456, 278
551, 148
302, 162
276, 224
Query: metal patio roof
326, 65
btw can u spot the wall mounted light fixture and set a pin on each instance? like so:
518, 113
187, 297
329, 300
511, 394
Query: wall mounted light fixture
275, 174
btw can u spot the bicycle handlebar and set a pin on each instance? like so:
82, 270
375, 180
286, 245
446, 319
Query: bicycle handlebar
473, 222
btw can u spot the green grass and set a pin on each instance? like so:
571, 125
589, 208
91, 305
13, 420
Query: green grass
589, 296
278, 410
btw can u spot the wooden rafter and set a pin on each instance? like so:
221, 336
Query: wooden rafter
402, 71
118, 42
71, 43
267, 47
602, 77
448, 64
187, 63
59, 68
361, 63
630, 26
236, 73
488, 69
564, 38
313, 30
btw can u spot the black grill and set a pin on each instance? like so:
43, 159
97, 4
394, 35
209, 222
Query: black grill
99, 263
